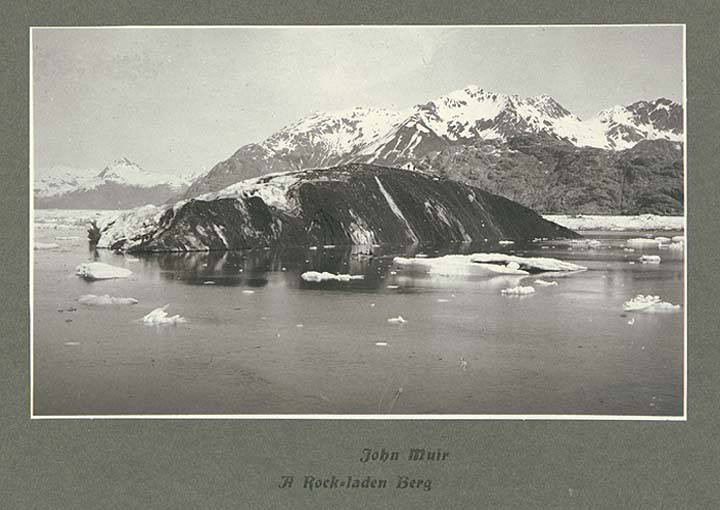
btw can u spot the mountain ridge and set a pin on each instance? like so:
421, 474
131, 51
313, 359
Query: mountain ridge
119, 185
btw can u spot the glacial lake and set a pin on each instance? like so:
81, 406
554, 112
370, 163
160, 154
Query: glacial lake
259, 340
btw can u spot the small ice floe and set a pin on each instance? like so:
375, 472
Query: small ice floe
372, 305
642, 242
593, 243
629, 249
159, 317
517, 291
72, 344
105, 300
506, 242
248, 291
631, 321
650, 259
392, 287
313, 248
314, 276
397, 320
650, 304
101, 271
328, 246
631, 262
46, 246
662, 239
676, 246
209, 282
443, 300
381, 344
544, 283
299, 326
463, 364
489, 264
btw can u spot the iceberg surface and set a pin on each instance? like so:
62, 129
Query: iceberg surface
518, 291
486, 263
649, 304
93, 300
101, 271
314, 276
159, 317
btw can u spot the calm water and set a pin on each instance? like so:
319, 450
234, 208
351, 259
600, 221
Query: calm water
299, 348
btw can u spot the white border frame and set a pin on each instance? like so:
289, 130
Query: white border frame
512, 417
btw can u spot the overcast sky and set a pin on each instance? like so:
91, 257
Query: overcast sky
178, 100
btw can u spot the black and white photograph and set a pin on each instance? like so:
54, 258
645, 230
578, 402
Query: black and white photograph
374, 222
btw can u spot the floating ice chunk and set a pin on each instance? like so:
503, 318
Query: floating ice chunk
662, 239
381, 344
397, 320
443, 300
159, 317
209, 282
629, 249
46, 246
479, 264
506, 242
93, 300
513, 265
518, 291
642, 242
593, 243
248, 291
101, 271
650, 304
544, 283
676, 246
650, 259
71, 344
314, 276
392, 287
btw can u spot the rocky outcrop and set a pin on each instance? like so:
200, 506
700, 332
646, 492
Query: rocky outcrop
351, 204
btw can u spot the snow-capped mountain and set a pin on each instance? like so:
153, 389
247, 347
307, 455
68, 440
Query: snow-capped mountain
119, 185
462, 117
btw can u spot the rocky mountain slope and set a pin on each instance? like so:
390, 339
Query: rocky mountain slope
350, 204
120, 185
556, 176
464, 118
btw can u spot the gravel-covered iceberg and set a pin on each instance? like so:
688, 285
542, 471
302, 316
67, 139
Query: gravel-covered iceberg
346, 205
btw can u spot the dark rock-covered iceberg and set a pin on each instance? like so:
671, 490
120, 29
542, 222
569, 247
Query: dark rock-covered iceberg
351, 204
